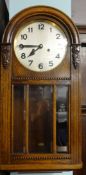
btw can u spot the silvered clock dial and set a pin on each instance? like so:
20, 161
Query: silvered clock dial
40, 45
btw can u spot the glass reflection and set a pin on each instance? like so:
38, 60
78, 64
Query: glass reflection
40, 111
62, 118
18, 118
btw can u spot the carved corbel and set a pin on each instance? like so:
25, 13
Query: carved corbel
5, 54
75, 55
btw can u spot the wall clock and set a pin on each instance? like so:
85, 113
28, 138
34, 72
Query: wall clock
40, 95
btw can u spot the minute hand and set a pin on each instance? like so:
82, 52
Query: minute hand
21, 46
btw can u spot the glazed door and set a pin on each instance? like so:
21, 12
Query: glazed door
40, 118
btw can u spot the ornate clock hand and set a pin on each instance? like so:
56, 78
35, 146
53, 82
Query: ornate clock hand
32, 52
21, 46
40, 46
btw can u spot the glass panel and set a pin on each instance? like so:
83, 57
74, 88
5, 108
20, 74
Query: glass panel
62, 99
34, 119
18, 118
40, 111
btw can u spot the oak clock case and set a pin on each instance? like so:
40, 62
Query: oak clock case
40, 106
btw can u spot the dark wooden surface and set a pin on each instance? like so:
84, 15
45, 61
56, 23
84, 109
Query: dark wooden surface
4, 17
82, 31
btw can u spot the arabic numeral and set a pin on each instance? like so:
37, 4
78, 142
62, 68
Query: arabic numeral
50, 29
40, 66
30, 62
30, 29
23, 36
50, 63
23, 56
41, 26
57, 36
57, 56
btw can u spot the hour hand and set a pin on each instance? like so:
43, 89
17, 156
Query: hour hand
32, 52
40, 46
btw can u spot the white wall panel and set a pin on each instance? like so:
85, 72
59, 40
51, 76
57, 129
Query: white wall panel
17, 5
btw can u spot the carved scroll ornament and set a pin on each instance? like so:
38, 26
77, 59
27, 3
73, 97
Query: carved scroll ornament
5, 54
75, 48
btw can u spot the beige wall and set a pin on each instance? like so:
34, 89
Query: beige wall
79, 11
